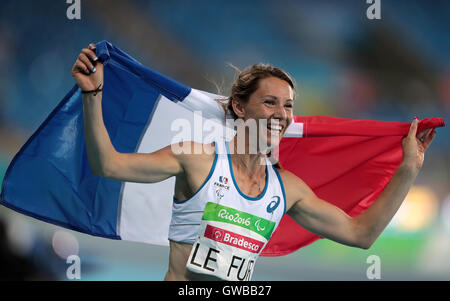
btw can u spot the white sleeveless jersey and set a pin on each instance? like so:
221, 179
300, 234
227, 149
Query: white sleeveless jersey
228, 229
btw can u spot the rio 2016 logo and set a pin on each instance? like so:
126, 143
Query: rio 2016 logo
236, 218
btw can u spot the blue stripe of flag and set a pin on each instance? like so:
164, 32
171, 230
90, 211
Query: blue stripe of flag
50, 178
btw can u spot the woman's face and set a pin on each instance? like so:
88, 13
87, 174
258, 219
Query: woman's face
271, 105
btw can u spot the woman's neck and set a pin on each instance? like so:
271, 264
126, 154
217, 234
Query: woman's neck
245, 159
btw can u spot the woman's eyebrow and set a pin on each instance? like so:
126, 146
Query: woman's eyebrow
276, 98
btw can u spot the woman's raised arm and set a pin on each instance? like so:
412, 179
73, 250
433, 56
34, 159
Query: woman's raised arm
103, 157
329, 221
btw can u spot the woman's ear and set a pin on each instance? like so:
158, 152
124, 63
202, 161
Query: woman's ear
238, 107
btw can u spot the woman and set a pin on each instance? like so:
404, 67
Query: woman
226, 203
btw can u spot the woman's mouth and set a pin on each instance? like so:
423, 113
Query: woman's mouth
275, 128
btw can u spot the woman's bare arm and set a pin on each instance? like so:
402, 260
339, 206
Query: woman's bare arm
103, 157
327, 220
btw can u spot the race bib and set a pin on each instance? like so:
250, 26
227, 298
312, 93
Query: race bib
228, 243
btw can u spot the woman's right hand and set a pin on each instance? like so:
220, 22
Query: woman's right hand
87, 70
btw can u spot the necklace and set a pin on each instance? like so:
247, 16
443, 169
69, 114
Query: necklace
258, 182
259, 185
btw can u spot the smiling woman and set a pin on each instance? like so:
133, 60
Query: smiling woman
255, 85
219, 227
270, 106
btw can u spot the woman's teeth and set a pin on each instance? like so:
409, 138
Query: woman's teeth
273, 127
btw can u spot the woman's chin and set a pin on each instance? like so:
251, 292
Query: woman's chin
269, 144
273, 138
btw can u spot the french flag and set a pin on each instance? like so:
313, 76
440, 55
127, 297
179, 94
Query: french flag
347, 162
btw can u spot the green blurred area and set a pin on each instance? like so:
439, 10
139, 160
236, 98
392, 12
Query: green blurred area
397, 252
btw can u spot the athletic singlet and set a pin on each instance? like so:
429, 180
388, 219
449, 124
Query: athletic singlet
228, 229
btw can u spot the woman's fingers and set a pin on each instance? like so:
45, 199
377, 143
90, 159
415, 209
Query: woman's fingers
429, 138
84, 59
81, 67
425, 137
84, 69
413, 128
421, 136
90, 54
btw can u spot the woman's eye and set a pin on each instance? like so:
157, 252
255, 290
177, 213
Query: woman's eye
288, 106
270, 102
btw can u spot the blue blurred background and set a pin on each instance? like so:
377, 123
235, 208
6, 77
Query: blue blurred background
344, 64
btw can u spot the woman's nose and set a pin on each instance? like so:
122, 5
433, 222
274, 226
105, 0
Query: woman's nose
280, 112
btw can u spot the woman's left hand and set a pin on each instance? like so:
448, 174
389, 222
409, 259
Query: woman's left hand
414, 145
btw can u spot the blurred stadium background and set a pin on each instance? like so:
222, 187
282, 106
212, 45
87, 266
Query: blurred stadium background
344, 64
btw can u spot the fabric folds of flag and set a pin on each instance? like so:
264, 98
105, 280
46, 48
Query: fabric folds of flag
347, 162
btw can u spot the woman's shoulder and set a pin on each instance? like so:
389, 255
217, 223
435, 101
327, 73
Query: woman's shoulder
293, 184
191, 152
192, 148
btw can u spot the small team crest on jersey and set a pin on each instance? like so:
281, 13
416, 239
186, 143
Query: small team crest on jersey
275, 201
223, 180
222, 183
